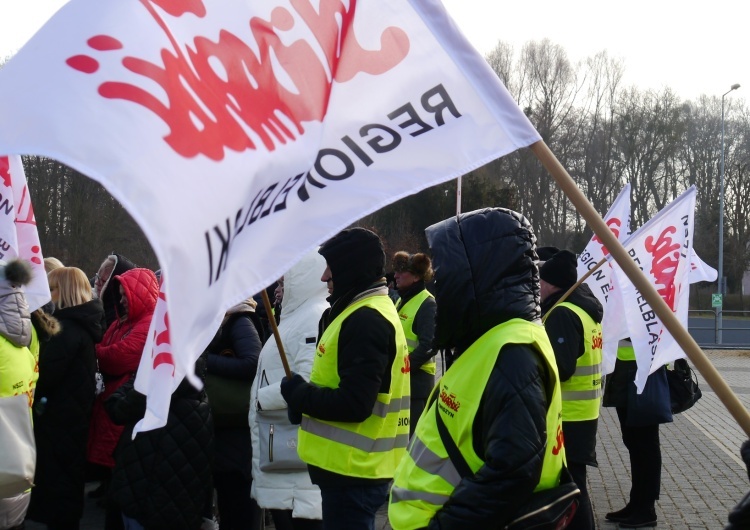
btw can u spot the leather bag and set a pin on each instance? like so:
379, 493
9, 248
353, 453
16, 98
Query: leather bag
683, 386
229, 400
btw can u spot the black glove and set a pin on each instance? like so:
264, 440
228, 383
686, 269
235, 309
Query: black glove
295, 417
289, 386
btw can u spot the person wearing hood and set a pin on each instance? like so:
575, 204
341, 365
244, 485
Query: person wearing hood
106, 291
231, 362
294, 501
64, 400
499, 403
355, 409
574, 327
119, 354
18, 374
416, 310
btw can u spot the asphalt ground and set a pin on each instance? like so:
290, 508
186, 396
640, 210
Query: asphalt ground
703, 476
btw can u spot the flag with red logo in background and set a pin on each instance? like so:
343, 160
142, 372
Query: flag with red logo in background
19, 237
618, 220
662, 248
239, 134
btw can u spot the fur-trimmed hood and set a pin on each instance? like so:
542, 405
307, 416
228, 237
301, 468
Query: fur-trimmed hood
15, 320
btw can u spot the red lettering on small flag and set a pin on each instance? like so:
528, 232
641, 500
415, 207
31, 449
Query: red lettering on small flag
666, 258
614, 225
5, 171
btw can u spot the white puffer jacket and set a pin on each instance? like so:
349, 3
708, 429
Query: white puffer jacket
303, 304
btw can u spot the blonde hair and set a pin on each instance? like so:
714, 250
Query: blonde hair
51, 264
72, 285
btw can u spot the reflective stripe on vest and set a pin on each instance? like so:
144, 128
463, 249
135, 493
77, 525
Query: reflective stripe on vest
406, 314
371, 448
582, 393
426, 477
625, 351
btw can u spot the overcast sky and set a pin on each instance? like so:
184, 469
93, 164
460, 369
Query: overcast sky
693, 48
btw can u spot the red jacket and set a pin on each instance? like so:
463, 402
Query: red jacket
119, 354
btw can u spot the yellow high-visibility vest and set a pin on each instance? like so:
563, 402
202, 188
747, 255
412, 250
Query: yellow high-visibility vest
582, 393
407, 314
372, 448
426, 477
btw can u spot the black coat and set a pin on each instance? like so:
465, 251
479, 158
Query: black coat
162, 478
485, 275
240, 335
63, 402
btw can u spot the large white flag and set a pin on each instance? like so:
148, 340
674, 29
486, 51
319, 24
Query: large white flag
19, 237
662, 248
241, 134
618, 220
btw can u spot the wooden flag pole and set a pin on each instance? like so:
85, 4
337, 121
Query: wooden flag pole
629, 267
275, 329
575, 286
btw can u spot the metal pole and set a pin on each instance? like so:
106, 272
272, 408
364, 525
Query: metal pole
721, 231
719, 310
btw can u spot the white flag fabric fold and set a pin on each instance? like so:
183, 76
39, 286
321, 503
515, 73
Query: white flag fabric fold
158, 373
19, 237
662, 248
700, 271
240, 134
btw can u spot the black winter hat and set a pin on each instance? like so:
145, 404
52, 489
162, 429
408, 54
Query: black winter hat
560, 270
356, 258
546, 253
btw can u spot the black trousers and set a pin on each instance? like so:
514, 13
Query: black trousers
584, 517
237, 510
645, 461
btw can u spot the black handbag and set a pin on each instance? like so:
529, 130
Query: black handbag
551, 509
683, 386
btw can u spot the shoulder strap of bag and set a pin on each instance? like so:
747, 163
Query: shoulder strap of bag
454, 454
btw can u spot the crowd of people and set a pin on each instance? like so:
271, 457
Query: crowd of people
360, 420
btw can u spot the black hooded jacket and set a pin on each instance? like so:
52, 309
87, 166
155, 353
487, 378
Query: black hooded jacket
484, 276
366, 343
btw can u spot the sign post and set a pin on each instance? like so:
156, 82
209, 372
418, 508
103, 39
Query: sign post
717, 303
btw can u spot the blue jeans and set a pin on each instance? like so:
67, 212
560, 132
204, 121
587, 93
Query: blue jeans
352, 507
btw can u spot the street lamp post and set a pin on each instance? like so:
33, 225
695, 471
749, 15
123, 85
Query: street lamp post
719, 309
